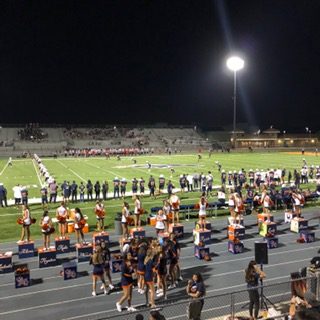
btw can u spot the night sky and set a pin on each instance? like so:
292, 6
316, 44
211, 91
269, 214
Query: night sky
153, 61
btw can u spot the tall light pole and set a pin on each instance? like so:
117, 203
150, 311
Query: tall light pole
235, 64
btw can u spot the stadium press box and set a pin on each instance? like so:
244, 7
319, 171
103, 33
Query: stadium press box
116, 263
298, 224
22, 276
26, 250
6, 265
62, 245
137, 233
288, 216
272, 242
236, 231
47, 258
207, 225
235, 247
70, 270
163, 237
84, 252
177, 229
100, 236
201, 236
307, 236
262, 217
267, 227
201, 252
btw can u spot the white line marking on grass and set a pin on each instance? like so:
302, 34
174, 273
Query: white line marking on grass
100, 168
37, 173
4, 168
61, 163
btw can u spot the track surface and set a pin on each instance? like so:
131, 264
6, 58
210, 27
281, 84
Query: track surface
54, 298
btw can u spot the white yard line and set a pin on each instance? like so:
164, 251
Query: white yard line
37, 173
61, 163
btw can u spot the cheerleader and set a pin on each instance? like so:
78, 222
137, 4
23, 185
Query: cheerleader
297, 200
26, 222
239, 207
148, 276
46, 229
162, 274
98, 270
62, 215
160, 224
124, 220
202, 212
266, 201
100, 214
141, 267
79, 223
167, 212
137, 212
106, 255
126, 283
231, 203
175, 205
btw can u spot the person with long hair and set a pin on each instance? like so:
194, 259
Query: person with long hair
126, 283
46, 229
100, 215
137, 212
161, 268
160, 222
202, 212
196, 290
148, 276
141, 267
98, 270
252, 276
26, 222
175, 206
167, 212
79, 223
62, 215
106, 255
124, 219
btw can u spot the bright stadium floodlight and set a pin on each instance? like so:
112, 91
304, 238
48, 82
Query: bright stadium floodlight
235, 64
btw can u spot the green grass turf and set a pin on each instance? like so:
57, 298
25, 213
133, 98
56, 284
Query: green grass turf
24, 172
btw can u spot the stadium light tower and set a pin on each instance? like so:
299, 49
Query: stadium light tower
235, 64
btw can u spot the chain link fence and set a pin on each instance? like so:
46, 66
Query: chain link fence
229, 306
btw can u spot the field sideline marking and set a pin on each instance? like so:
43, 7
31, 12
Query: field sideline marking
4, 168
37, 173
61, 163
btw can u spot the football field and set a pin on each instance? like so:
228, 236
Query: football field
25, 172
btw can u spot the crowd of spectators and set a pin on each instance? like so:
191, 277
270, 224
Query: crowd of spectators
32, 132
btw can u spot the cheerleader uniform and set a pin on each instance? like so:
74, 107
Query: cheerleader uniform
62, 212
160, 224
137, 207
141, 266
202, 210
125, 215
45, 221
77, 218
148, 276
126, 275
26, 218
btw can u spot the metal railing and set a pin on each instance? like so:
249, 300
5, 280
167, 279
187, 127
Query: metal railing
229, 305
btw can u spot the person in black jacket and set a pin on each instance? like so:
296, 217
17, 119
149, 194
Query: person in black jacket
89, 190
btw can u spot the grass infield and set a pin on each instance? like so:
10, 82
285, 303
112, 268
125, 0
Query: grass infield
24, 172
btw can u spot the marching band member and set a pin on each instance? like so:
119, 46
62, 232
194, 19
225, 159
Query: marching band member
46, 229
124, 220
100, 214
202, 212
126, 283
175, 205
160, 224
79, 223
26, 222
137, 211
62, 216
